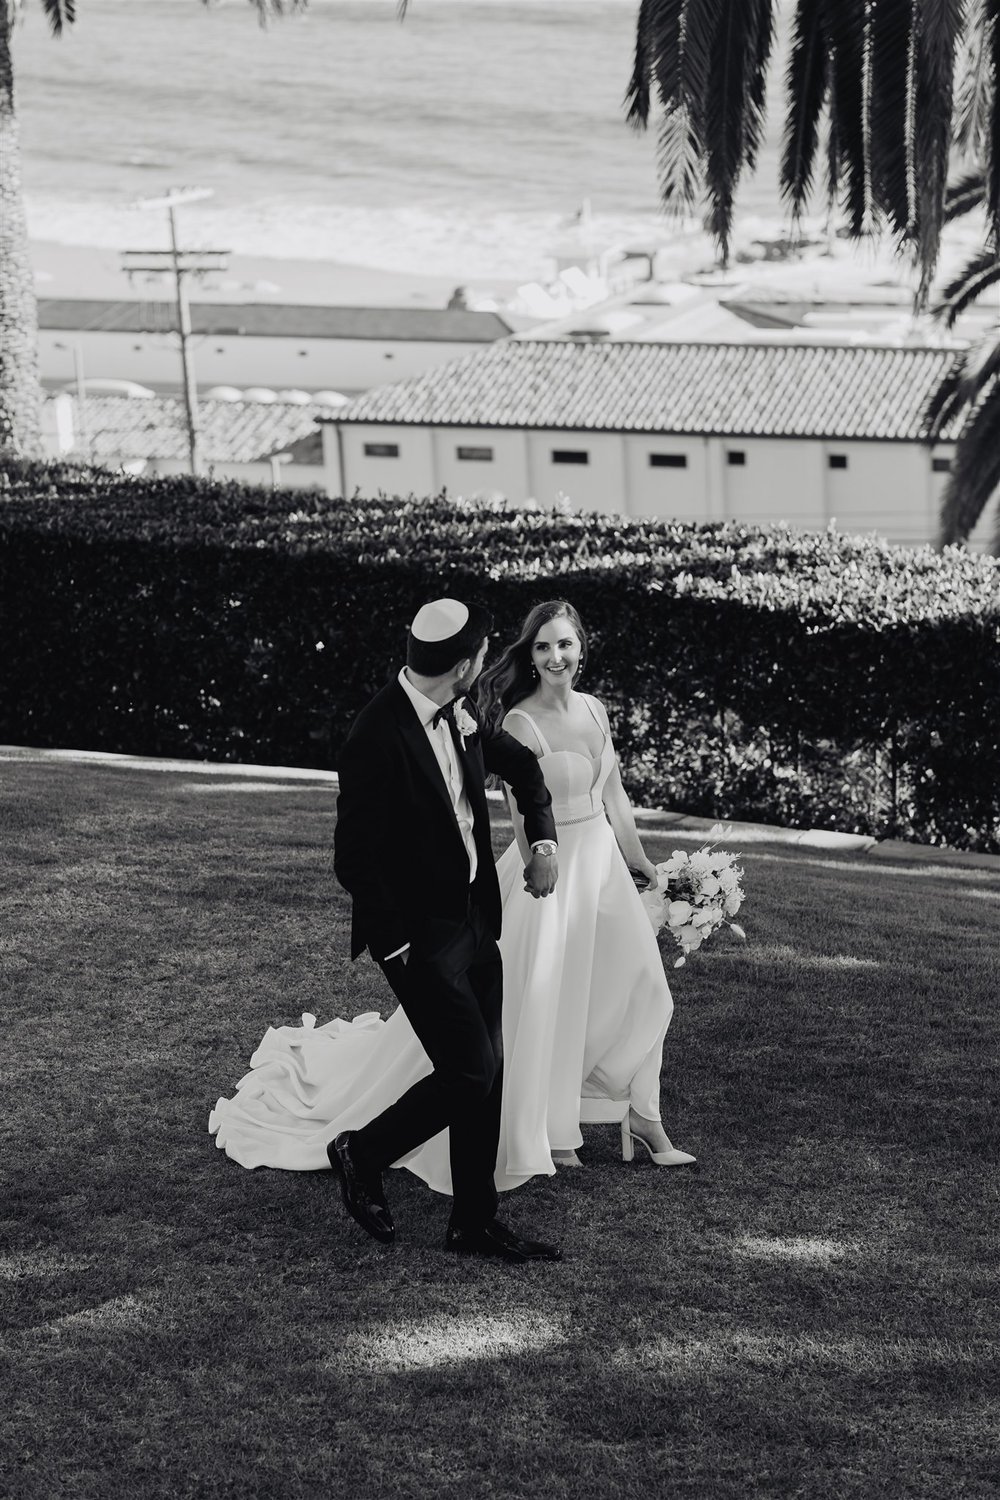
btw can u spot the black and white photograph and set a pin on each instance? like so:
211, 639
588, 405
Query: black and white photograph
500, 749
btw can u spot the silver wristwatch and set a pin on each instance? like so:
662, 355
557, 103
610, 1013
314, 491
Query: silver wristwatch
544, 846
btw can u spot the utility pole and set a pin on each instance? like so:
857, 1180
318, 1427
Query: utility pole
180, 264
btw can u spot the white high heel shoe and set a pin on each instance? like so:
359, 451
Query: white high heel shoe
671, 1158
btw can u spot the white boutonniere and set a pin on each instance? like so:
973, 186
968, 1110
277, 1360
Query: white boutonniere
465, 724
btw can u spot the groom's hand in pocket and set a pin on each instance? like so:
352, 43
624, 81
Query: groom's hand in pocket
541, 873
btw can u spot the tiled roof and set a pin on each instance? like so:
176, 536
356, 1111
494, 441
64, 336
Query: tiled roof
431, 325
763, 390
119, 428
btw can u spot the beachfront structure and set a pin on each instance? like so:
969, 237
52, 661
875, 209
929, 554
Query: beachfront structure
804, 433
275, 346
250, 441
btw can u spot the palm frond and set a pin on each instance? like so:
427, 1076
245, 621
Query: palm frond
973, 371
758, 65
867, 48
680, 157
975, 473
59, 13
848, 158
833, 173
910, 121
806, 83
975, 277
686, 74
973, 83
963, 195
675, 56
267, 8
980, 368
993, 136
893, 168
945, 402
658, 53
939, 24
733, 112
637, 95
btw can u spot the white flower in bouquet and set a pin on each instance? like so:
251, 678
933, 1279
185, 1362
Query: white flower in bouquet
670, 868
694, 895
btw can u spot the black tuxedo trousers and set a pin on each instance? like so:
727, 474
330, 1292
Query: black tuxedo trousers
451, 988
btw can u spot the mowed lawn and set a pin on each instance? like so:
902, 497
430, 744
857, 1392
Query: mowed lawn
811, 1313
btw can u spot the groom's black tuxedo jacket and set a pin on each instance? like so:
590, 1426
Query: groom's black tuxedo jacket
398, 849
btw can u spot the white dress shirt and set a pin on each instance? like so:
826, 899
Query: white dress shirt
442, 743
445, 753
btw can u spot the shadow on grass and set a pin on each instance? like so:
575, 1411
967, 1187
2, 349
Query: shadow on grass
405, 1375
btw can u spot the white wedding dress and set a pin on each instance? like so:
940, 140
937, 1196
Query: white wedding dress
586, 1009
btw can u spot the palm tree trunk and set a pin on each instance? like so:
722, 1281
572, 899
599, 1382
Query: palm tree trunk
19, 393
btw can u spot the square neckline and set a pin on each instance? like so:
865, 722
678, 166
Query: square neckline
595, 762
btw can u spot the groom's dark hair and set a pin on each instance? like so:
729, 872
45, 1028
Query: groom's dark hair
435, 658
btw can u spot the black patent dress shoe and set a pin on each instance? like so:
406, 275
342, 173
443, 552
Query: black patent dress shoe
361, 1191
495, 1239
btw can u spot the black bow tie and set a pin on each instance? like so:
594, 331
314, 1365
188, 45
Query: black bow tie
447, 712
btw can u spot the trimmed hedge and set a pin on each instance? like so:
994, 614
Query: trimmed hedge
750, 672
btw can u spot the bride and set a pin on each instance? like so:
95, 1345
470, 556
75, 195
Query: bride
586, 1001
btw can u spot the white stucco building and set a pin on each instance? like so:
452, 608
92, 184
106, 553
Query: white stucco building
803, 433
255, 344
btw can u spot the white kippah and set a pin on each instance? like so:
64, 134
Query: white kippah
439, 620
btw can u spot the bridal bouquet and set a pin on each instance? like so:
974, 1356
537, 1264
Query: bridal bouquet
694, 895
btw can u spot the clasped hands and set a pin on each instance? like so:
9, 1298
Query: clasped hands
540, 874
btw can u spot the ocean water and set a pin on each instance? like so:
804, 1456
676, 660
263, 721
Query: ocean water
462, 140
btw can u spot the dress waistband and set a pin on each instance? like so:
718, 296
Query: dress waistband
587, 818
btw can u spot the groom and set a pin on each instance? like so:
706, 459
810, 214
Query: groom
412, 846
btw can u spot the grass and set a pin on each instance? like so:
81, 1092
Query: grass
813, 1313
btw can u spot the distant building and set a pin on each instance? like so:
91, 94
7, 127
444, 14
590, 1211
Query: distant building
806, 433
254, 442
255, 344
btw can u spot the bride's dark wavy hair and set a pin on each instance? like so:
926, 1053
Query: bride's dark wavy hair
510, 679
